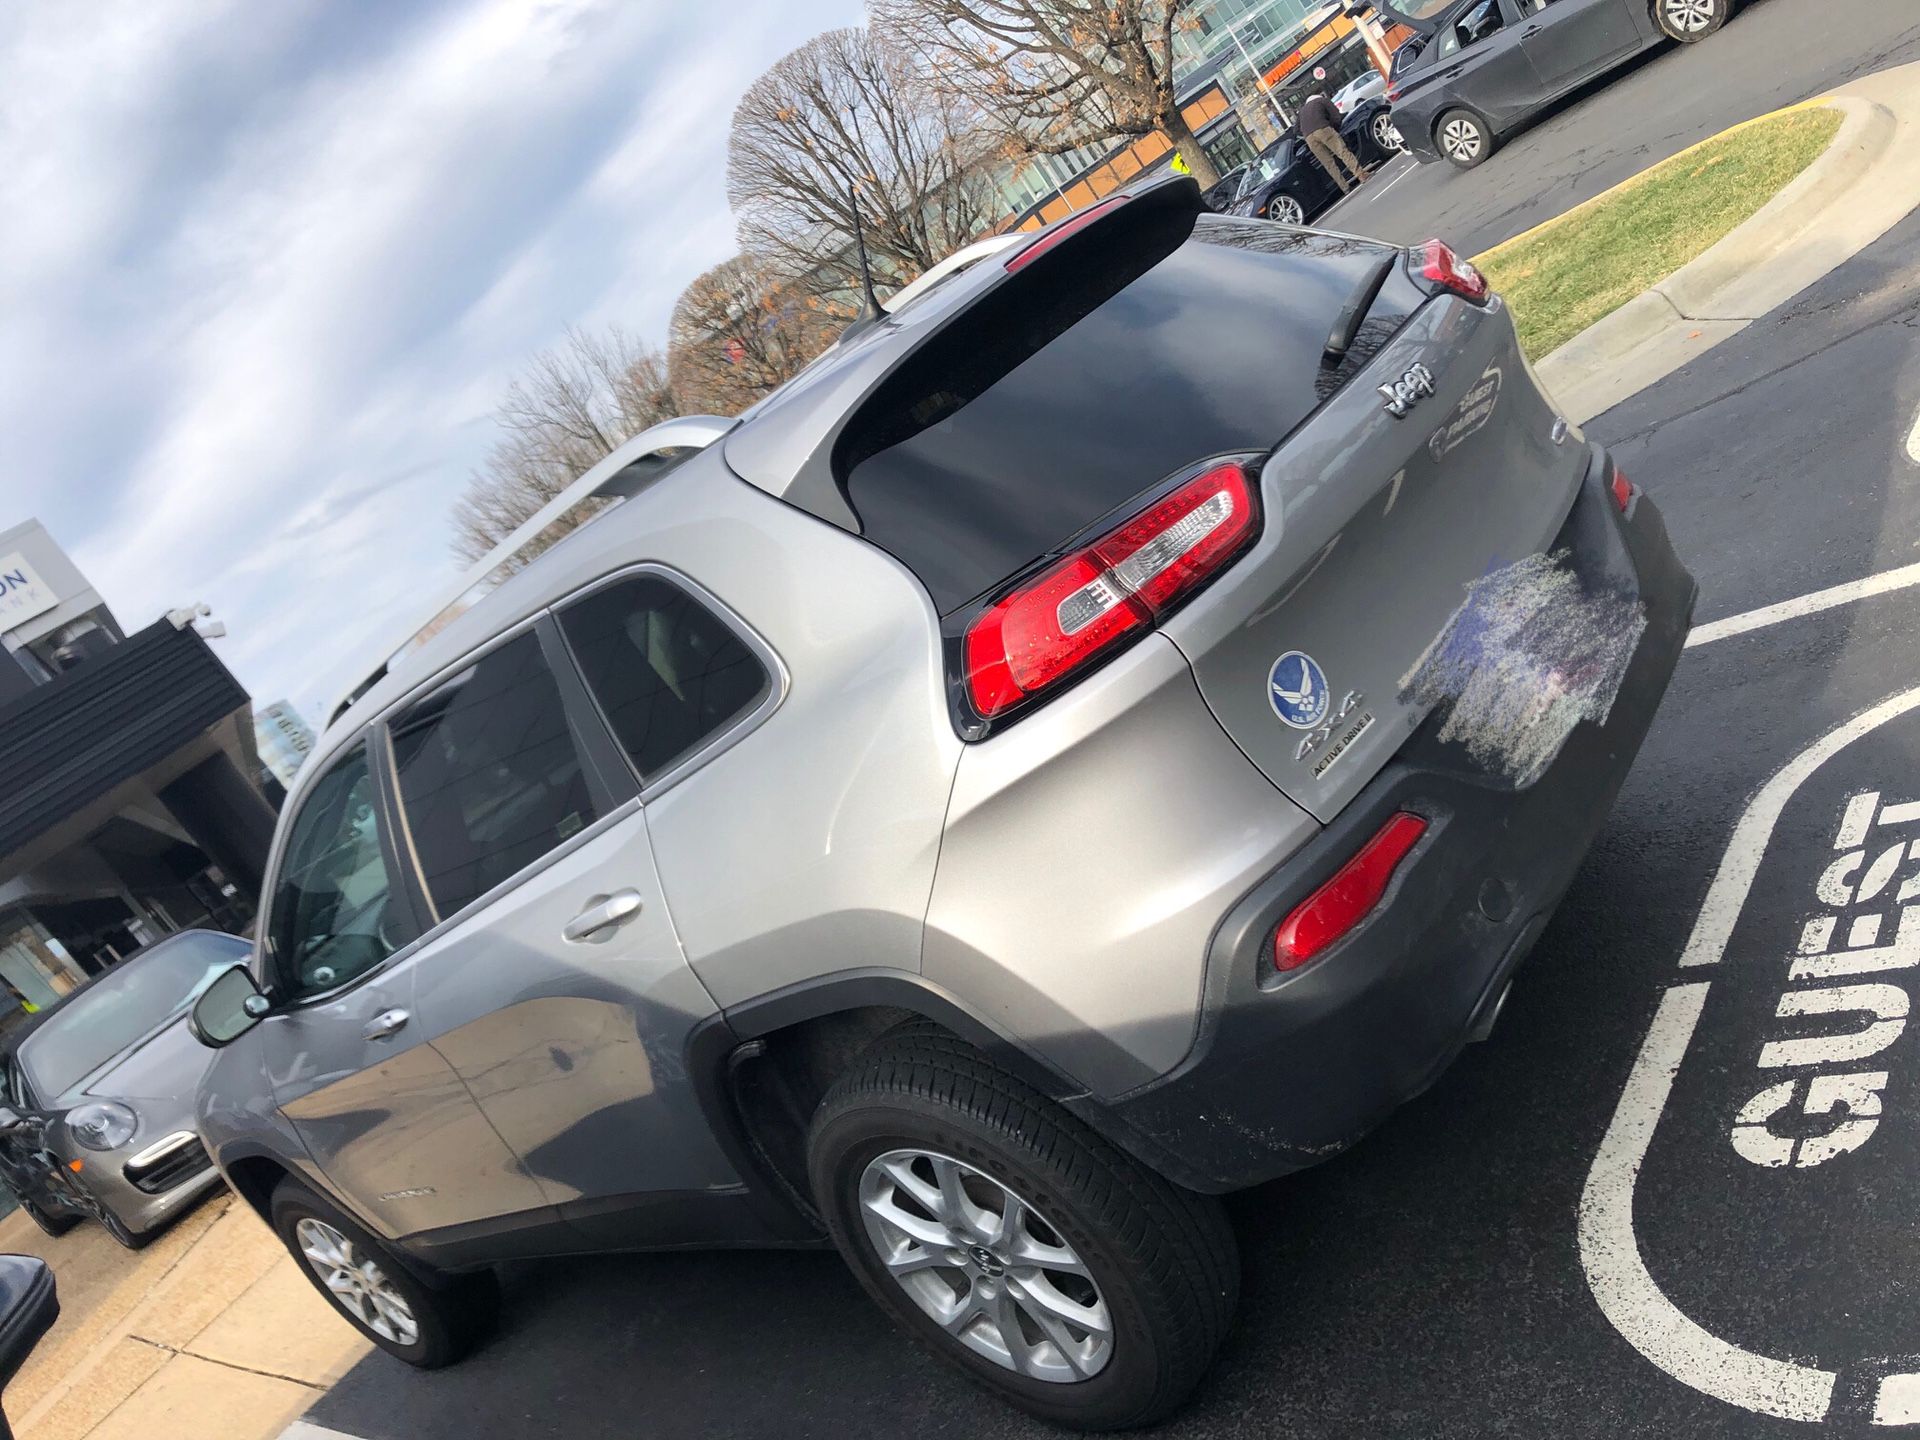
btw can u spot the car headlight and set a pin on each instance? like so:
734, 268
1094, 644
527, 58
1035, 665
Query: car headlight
104, 1125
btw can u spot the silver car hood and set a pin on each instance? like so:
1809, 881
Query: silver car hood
167, 1065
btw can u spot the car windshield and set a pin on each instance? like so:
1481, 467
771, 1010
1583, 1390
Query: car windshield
1264, 169
115, 1011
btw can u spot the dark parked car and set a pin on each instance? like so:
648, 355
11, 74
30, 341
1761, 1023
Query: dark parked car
1287, 183
1219, 195
1488, 66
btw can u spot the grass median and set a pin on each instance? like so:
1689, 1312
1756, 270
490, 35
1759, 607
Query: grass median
1580, 268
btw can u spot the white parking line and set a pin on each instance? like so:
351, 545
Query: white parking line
1913, 441
302, 1430
1617, 1274
1881, 584
1410, 168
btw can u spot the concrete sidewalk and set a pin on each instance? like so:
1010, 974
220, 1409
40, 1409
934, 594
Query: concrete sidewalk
212, 1330
1866, 183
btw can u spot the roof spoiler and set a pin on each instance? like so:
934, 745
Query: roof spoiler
625, 472
1061, 274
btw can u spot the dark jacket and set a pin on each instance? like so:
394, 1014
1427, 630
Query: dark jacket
1318, 114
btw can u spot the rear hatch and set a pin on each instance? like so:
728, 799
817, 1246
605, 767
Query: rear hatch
1376, 527
1041, 406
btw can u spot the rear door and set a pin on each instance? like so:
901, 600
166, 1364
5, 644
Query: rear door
553, 982
1569, 41
1482, 63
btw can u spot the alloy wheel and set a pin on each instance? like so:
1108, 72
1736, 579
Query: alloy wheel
1690, 17
1286, 209
986, 1266
1461, 139
1386, 134
356, 1282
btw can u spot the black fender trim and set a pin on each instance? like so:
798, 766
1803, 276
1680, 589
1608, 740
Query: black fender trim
714, 1042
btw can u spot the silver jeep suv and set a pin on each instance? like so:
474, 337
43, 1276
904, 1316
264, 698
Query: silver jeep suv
1101, 737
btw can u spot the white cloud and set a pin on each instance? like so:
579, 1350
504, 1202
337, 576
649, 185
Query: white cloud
267, 267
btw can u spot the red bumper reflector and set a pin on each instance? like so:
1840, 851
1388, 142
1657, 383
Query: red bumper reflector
1622, 491
1347, 899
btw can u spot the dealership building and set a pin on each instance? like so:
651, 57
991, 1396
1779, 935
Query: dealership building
131, 804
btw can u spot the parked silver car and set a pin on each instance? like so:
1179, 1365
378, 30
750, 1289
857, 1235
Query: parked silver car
96, 1118
1100, 737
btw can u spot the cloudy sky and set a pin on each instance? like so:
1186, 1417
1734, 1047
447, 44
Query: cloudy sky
265, 266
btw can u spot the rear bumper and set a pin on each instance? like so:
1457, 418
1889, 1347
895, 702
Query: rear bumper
1289, 1070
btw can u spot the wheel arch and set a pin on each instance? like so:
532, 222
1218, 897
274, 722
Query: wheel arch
1433, 129
761, 1068
253, 1178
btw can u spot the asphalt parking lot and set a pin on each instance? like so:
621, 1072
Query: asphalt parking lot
1673, 1193
1772, 53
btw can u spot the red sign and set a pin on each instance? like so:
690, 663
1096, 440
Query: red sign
1319, 72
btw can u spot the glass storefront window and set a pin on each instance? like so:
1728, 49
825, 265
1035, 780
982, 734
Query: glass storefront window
32, 968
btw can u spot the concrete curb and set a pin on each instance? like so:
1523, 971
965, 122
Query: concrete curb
1865, 183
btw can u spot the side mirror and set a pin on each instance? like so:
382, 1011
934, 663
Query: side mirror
227, 1008
10, 1121
28, 1308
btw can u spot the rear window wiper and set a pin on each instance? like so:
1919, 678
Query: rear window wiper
1353, 314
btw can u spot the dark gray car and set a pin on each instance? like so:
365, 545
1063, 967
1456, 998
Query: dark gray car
1100, 737
96, 1118
1486, 67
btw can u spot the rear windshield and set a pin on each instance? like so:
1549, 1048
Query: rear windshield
124, 1006
1049, 417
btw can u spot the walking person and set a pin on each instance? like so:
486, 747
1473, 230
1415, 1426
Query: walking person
1319, 125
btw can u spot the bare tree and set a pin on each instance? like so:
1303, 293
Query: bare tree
1057, 74
574, 405
739, 331
846, 114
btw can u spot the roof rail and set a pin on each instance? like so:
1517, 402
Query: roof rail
625, 472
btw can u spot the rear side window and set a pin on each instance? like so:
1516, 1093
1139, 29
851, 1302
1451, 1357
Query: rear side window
668, 672
489, 774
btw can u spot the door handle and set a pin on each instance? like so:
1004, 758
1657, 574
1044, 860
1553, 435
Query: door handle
603, 912
1530, 32
385, 1025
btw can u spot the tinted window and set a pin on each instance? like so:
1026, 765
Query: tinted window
490, 777
1050, 405
329, 919
668, 672
122, 1007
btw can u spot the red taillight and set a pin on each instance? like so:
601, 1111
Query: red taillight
1038, 634
1345, 900
1393, 92
1622, 491
1061, 230
1439, 264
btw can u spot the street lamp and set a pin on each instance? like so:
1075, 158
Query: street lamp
1259, 81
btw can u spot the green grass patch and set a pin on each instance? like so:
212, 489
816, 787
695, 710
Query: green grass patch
1582, 267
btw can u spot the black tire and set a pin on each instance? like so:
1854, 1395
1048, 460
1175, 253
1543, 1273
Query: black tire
1463, 137
451, 1315
125, 1238
1163, 1259
54, 1225
1690, 21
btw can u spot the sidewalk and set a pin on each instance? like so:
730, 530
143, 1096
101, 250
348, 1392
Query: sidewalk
212, 1330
